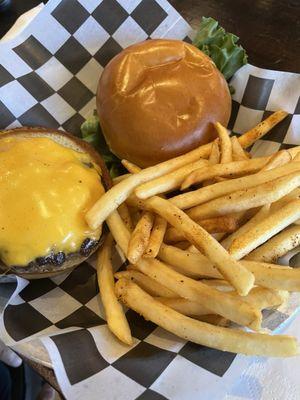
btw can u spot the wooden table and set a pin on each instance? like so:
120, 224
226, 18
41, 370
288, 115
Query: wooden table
268, 29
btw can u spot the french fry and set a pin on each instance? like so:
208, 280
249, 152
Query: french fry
182, 245
115, 316
203, 195
214, 157
256, 133
295, 194
225, 143
212, 225
274, 186
238, 153
282, 157
246, 199
125, 215
148, 284
159, 224
260, 297
213, 319
193, 249
273, 270
196, 265
218, 302
156, 237
219, 179
278, 246
135, 215
237, 275
157, 271
264, 230
235, 341
218, 236
273, 276
140, 237
220, 284
111, 200
261, 214
263, 298
132, 168
184, 306
119, 231
120, 178
168, 182
228, 170
120, 192
134, 201
294, 152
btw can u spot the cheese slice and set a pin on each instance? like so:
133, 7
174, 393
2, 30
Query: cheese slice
45, 191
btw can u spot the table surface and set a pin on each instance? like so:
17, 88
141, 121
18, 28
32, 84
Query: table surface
268, 30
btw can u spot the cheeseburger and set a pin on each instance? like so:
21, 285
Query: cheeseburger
159, 99
48, 181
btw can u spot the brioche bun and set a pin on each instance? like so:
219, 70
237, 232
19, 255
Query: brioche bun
159, 99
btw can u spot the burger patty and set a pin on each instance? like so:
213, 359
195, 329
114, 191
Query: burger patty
53, 260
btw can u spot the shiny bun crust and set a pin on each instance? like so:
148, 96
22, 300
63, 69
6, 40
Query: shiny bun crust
158, 99
74, 143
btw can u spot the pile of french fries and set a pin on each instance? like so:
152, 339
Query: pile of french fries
206, 257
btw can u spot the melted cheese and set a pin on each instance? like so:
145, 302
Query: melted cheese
45, 191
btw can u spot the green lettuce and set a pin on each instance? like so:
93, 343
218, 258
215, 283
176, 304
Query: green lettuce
91, 133
220, 46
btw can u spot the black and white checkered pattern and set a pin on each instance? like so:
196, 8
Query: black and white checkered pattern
54, 70
50, 80
258, 94
67, 312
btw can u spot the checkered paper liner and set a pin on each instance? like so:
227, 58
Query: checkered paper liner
48, 77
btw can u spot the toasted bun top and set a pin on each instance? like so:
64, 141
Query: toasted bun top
158, 99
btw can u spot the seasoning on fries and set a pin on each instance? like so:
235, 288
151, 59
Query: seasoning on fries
278, 246
185, 275
231, 307
238, 153
246, 199
156, 237
265, 229
214, 156
225, 339
224, 224
221, 170
139, 239
225, 144
250, 137
236, 274
115, 316
205, 194
148, 284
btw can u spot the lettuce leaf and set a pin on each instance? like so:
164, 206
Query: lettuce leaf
220, 46
91, 133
